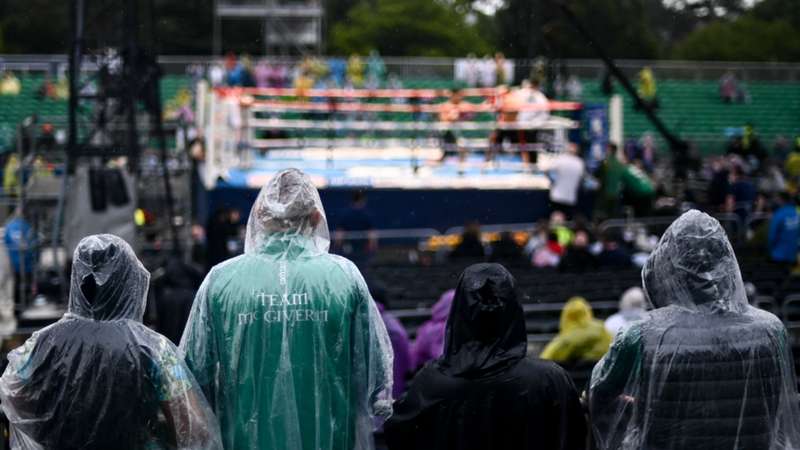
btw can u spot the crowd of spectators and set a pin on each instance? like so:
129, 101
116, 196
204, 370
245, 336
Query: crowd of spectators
311, 72
466, 329
484, 72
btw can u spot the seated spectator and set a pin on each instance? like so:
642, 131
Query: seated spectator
261, 74
558, 225
771, 181
376, 70
488, 72
46, 141
47, 90
538, 237
578, 258
730, 90
642, 152
98, 378
216, 75
10, 84
502, 69
240, 74
719, 184
741, 193
484, 393
748, 147
429, 343
403, 363
470, 245
784, 231
11, 175
338, 69
574, 88
791, 165
355, 71
506, 250
548, 255
613, 253
357, 218
780, 149
647, 89
704, 369
631, 308
580, 337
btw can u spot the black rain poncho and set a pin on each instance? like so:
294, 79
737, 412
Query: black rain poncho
98, 378
484, 393
704, 370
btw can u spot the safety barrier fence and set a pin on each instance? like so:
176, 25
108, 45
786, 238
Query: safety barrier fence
444, 68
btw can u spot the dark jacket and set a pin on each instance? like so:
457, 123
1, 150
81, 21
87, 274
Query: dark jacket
174, 292
484, 393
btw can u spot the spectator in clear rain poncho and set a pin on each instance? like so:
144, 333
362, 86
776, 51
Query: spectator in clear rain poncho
285, 339
704, 370
98, 378
484, 392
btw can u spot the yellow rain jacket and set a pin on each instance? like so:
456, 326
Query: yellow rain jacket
580, 335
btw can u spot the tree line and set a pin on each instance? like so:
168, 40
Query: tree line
768, 30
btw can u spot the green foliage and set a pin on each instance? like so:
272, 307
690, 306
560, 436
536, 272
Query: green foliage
788, 10
686, 29
34, 26
621, 27
406, 27
744, 39
184, 28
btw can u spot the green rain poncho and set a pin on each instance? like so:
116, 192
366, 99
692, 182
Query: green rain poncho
286, 341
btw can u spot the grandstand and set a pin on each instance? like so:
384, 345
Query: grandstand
690, 107
16, 108
694, 111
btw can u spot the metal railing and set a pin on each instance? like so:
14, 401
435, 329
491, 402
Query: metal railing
443, 68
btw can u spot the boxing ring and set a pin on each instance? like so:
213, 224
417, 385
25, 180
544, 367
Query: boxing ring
388, 142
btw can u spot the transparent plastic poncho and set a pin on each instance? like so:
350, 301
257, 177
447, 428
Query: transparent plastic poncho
98, 378
702, 370
285, 339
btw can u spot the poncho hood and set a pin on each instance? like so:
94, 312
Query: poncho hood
694, 267
486, 329
108, 281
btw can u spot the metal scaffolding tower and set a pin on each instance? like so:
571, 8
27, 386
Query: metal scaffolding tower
289, 26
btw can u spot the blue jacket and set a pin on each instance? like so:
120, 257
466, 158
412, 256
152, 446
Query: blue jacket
784, 231
21, 244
